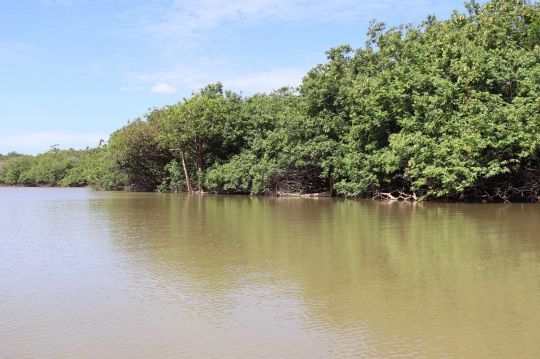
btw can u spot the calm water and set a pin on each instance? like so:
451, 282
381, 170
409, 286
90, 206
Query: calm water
90, 274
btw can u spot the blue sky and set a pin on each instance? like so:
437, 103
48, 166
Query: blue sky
73, 71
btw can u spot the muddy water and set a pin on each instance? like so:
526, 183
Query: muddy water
96, 274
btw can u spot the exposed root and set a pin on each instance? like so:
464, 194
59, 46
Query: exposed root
317, 195
397, 195
521, 186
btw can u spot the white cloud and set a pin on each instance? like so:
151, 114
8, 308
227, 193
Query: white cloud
182, 34
194, 77
185, 18
39, 141
190, 18
164, 88
265, 81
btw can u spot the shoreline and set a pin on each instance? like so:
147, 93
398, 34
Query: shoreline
317, 195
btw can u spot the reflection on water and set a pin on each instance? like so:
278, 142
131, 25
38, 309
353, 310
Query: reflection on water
91, 274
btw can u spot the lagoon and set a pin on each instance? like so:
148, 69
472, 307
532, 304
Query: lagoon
113, 274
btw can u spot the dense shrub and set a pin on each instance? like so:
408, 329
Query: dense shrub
443, 109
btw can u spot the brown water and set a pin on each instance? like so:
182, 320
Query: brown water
96, 274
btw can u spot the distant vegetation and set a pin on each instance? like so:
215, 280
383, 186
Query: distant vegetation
444, 109
67, 168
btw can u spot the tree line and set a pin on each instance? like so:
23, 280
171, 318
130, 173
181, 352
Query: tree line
446, 109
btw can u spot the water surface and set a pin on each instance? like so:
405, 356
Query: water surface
98, 274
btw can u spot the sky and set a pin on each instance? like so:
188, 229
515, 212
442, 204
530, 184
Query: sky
73, 71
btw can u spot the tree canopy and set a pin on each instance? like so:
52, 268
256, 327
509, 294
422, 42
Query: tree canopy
445, 109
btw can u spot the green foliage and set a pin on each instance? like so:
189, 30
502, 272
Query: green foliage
175, 182
239, 175
49, 168
13, 167
445, 109
97, 169
208, 124
67, 168
272, 150
136, 154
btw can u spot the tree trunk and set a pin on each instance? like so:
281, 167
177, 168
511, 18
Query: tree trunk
186, 174
200, 157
